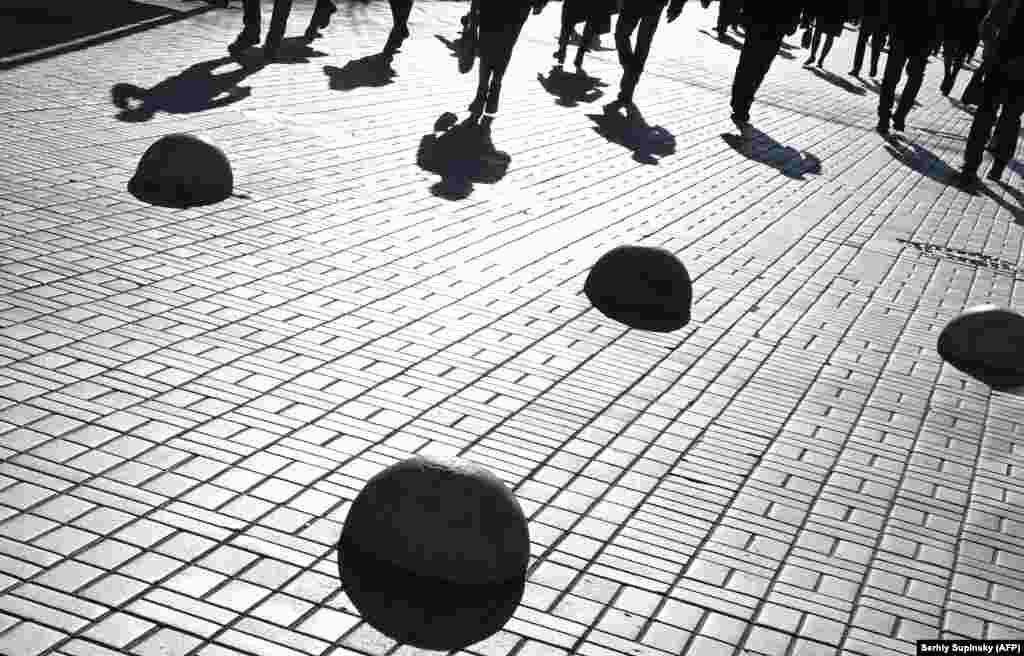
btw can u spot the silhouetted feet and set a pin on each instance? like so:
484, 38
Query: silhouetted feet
745, 129
322, 17
899, 123
810, 61
967, 180
996, 172
854, 73
395, 40
246, 39
477, 106
874, 72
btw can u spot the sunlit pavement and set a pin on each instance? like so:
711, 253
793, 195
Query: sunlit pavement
189, 399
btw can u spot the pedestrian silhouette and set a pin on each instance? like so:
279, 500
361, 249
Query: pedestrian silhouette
252, 17
597, 18
195, 89
642, 17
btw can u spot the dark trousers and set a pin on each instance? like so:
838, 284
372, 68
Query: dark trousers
877, 39
278, 19
729, 13
998, 90
644, 21
913, 56
760, 48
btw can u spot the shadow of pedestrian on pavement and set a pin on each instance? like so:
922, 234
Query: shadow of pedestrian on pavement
920, 159
571, 89
839, 81
630, 130
761, 148
452, 45
370, 71
195, 89
461, 153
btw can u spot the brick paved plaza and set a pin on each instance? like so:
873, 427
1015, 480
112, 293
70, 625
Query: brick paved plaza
190, 399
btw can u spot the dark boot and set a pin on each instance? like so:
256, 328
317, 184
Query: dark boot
996, 172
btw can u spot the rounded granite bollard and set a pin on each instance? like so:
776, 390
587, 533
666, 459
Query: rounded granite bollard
642, 287
181, 170
986, 342
434, 553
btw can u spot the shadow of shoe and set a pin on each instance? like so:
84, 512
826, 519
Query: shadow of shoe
839, 81
623, 124
370, 71
570, 89
761, 148
462, 154
195, 89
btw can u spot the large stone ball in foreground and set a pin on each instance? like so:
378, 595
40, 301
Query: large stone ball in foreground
445, 519
181, 170
986, 342
642, 287
434, 553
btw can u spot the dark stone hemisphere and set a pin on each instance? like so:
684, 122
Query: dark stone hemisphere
180, 170
642, 287
986, 342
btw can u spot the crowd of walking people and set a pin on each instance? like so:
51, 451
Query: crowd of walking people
911, 31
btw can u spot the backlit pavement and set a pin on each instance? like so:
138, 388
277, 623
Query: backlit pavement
189, 399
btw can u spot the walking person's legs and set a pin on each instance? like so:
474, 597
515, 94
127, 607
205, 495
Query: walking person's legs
877, 43
1007, 131
916, 63
825, 49
760, 48
566, 31
858, 54
250, 34
278, 25
815, 42
648, 25
981, 127
400, 10
893, 72
629, 19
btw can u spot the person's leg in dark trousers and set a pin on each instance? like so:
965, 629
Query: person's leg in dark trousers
634, 59
566, 31
589, 32
877, 43
917, 60
1007, 132
321, 18
858, 54
400, 10
760, 48
815, 42
497, 41
278, 25
728, 14
893, 72
250, 34
981, 128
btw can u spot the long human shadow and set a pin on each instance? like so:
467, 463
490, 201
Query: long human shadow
630, 130
370, 71
728, 40
571, 89
928, 164
195, 89
462, 154
787, 160
839, 81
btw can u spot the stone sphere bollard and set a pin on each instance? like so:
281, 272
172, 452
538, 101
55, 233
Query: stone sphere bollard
180, 170
434, 553
986, 342
642, 287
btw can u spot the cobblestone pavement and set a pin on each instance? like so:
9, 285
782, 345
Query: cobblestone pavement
189, 399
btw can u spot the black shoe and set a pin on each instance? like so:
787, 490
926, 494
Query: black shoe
245, 40
745, 129
874, 72
996, 172
810, 61
854, 73
967, 180
883, 127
